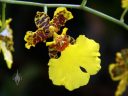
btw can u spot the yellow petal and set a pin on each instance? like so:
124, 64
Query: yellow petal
66, 69
32, 38
42, 20
64, 31
124, 3
68, 15
29, 39
55, 35
116, 71
61, 16
50, 43
7, 54
69, 76
7, 32
122, 86
8, 21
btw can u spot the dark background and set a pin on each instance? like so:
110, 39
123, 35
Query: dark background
32, 64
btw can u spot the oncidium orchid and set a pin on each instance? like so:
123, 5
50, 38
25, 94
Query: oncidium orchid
6, 43
119, 71
78, 58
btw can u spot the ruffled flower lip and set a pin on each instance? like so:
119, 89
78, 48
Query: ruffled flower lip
76, 64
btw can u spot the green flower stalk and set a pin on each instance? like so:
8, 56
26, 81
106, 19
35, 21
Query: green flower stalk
80, 7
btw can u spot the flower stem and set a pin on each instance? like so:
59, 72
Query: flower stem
45, 9
123, 14
83, 2
107, 17
3, 16
84, 8
40, 4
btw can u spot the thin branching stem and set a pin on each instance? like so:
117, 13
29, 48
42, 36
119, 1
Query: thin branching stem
45, 9
83, 2
123, 14
3, 16
84, 8
107, 17
41, 4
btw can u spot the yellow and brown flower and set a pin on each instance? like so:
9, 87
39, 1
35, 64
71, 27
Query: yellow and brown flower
6, 43
119, 71
46, 28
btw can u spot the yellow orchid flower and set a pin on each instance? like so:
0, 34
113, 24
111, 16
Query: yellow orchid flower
6, 44
119, 71
76, 63
47, 27
124, 3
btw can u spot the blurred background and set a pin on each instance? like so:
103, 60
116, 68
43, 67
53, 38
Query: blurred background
33, 64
